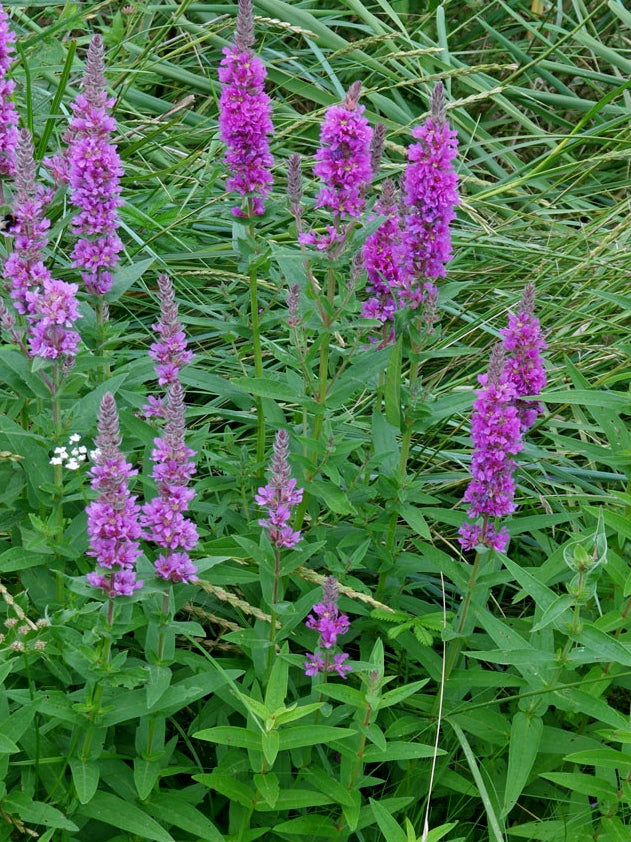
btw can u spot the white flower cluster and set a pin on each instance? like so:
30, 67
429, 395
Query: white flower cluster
73, 459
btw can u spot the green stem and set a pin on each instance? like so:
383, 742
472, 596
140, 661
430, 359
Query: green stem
276, 595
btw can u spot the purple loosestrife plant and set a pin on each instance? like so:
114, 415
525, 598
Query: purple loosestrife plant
496, 436
430, 195
344, 163
8, 113
524, 343
49, 305
92, 168
327, 620
113, 518
245, 119
279, 495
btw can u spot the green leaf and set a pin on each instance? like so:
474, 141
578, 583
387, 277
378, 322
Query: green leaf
390, 828
607, 758
146, 773
332, 497
553, 612
276, 691
110, 809
600, 647
125, 277
295, 799
399, 750
271, 742
85, 777
174, 810
159, 680
415, 519
342, 693
293, 713
311, 735
7, 746
268, 787
36, 812
262, 387
585, 784
437, 833
392, 395
19, 559
394, 697
229, 786
525, 737
309, 826
231, 735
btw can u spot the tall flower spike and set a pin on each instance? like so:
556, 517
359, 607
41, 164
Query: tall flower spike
49, 305
328, 621
524, 343
8, 113
430, 195
496, 436
245, 117
92, 168
163, 519
380, 252
113, 526
343, 161
279, 495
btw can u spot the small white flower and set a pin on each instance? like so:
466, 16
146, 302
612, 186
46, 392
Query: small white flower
94, 454
74, 438
56, 460
83, 450
61, 452
73, 464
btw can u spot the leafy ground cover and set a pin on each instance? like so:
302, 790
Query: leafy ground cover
473, 694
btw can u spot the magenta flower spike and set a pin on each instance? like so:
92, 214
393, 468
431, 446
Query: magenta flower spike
279, 495
49, 305
245, 117
524, 343
92, 168
381, 253
496, 436
327, 620
163, 519
8, 113
430, 195
113, 525
344, 164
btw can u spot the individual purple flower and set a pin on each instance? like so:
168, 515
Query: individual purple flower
163, 519
381, 253
344, 165
430, 195
327, 620
113, 518
245, 119
279, 495
496, 436
8, 113
48, 305
92, 168
524, 343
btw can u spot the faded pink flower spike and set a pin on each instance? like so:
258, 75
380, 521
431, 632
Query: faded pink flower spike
279, 495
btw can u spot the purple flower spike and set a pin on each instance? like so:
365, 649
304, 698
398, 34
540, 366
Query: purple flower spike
524, 343
381, 254
279, 495
92, 168
163, 518
496, 436
245, 118
344, 163
430, 195
8, 113
49, 305
169, 352
327, 620
113, 526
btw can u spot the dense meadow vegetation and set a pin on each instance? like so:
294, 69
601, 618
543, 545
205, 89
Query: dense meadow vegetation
314, 421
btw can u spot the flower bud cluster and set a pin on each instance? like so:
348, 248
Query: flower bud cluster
327, 620
279, 495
